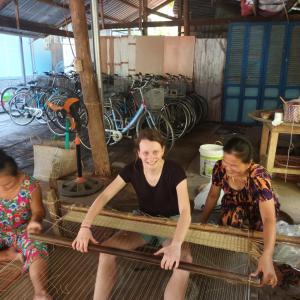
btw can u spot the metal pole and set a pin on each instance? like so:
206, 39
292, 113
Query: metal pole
96, 42
22, 59
32, 58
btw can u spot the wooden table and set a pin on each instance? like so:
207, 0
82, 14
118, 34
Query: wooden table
269, 140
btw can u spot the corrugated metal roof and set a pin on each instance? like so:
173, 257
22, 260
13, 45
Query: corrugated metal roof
43, 12
35, 11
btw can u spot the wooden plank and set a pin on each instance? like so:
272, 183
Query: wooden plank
117, 55
103, 51
131, 55
285, 171
150, 54
209, 63
264, 141
186, 17
272, 151
179, 55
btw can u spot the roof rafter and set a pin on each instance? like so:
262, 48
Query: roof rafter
155, 12
7, 22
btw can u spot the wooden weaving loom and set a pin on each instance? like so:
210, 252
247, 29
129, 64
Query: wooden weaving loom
223, 255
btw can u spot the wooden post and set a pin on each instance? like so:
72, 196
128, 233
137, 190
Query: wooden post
89, 88
145, 16
179, 16
186, 17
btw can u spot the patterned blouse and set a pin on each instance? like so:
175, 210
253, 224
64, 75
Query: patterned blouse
240, 208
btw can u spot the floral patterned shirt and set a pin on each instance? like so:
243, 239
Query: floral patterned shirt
240, 208
16, 213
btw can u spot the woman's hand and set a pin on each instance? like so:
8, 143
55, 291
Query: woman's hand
171, 256
265, 266
34, 227
82, 240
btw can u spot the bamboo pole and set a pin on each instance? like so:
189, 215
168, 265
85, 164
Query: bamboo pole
89, 88
151, 259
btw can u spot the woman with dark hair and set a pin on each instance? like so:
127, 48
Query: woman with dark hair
248, 201
21, 213
161, 187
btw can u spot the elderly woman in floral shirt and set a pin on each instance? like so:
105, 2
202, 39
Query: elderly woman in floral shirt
248, 200
21, 213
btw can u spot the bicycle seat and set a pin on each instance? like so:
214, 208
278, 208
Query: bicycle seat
32, 82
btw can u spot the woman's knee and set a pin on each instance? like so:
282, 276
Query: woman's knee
107, 260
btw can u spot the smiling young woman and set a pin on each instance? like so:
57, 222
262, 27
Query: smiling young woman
248, 201
161, 187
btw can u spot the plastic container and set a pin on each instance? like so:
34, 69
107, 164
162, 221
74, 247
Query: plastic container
209, 154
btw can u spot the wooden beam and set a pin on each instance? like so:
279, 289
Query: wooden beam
153, 9
204, 21
154, 12
102, 16
186, 17
7, 22
151, 259
179, 15
145, 15
91, 96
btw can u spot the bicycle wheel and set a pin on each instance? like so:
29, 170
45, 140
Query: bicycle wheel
42, 105
108, 127
6, 95
177, 114
53, 116
84, 134
156, 120
22, 109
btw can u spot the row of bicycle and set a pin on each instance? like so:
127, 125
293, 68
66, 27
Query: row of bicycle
145, 104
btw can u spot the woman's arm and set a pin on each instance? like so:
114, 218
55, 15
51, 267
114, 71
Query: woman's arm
37, 211
172, 252
184, 220
265, 263
267, 212
84, 235
110, 191
210, 203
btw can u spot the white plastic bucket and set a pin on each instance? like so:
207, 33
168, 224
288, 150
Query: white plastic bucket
209, 154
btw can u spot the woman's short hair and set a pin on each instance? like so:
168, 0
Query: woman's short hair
7, 164
240, 147
152, 135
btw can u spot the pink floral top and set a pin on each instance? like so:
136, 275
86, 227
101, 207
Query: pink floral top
16, 213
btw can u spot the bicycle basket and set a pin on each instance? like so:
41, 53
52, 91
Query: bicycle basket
121, 84
154, 98
44, 81
178, 87
64, 83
